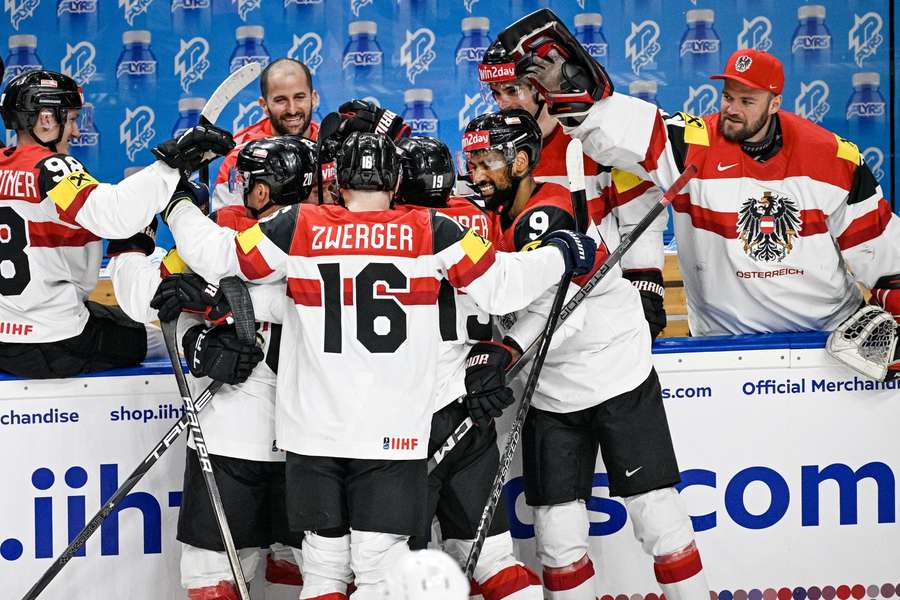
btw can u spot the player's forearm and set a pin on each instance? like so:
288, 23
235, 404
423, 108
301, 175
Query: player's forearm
269, 302
208, 249
135, 278
516, 279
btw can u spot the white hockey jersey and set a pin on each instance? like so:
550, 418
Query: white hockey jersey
763, 246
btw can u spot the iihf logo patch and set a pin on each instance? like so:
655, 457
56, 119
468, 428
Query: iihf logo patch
78, 63
136, 131
191, 62
416, 54
642, 44
767, 226
19, 10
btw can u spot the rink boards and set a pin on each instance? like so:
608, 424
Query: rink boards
788, 462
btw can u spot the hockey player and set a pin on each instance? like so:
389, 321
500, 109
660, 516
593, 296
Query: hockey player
364, 282
598, 387
783, 218
52, 216
612, 193
239, 424
463, 479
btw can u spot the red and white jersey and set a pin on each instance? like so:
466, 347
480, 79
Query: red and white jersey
240, 421
764, 246
357, 376
603, 349
613, 194
52, 216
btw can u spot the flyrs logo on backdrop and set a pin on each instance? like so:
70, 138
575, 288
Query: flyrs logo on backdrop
245, 7
756, 34
469, 4
472, 107
812, 102
308, 50
642, 45
416, 54
702, 100
134, 8
191, 62
78, 63
76, 7
874, 157
19, 10
136, 131
865, 36
356, 5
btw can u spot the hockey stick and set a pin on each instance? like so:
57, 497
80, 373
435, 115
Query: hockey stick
151, 459
625, 244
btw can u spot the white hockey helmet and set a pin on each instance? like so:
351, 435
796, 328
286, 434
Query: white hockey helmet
426, 575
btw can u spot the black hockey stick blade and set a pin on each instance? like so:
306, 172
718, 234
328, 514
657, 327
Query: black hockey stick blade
575, 170
151, 459
238, 296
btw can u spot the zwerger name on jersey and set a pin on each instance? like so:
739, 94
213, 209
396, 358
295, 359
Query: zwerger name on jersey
18, 184
397, 237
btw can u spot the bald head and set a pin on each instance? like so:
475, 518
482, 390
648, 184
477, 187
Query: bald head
288, 96
280, 68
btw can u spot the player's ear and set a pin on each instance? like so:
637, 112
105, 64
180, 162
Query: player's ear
261, 193
520, 164
315, 99
262, 103
775, 104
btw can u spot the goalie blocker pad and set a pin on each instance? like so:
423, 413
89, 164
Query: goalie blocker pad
584, 81
867, 343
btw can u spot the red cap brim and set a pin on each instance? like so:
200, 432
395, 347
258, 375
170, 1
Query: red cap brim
746, 82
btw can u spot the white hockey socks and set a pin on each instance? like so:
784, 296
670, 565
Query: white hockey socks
326, 567
371, 556
561, 532
498, 574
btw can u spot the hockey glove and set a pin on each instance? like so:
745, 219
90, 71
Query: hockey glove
143, 241
649, 284
366, 117
547, 53
486, 391
217, 353
886, 294
194, 148
187, 292
187, 191
578, 250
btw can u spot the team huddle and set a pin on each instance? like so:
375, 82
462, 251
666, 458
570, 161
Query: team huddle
388, 310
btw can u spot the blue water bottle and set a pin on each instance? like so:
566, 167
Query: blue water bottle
22, 56
470, 50
419, 114
86, 147
304, 13
866, 110
249, 48
589, 32
188, 114
191, 16
136, 67
811, 44
699, 53
645, 89
77, 17
363, 59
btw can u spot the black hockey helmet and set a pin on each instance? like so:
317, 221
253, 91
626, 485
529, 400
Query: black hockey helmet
27, 94
286, 164
427, 172
497, 66
507, 131
367, 161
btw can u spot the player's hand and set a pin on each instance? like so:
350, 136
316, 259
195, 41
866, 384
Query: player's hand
144, 241
194, 148
219, 354
649, 283
187, 191
187, 292
366, 117
578, 250
486, 391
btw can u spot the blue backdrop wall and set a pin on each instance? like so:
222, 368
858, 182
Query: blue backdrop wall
140, 61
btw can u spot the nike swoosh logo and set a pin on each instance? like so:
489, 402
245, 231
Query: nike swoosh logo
722, 167
630, 473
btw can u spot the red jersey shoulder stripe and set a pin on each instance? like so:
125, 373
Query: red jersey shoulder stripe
866, 227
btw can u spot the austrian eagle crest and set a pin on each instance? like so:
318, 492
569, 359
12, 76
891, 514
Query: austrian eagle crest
767, 226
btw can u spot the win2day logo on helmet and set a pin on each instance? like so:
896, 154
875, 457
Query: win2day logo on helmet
78, 63
416, 53
755, 34
767, 226
19, 10
191, 62
642, 45
702, 100
865, 36
812, 102
308, 50
136, 131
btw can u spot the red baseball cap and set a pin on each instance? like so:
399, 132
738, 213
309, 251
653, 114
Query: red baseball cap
755, 69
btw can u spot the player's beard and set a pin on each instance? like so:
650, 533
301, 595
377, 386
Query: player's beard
280, 128
747, 131
499, 198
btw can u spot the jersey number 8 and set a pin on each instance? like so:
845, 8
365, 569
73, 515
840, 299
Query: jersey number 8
15, 274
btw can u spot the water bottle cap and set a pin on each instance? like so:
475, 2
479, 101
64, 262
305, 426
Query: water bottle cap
249, 31
866, 79
186, 104
811, 10
417, 95
589, 20
642, 86
23, 41
473, 23
138, 36
703, 15
360, 27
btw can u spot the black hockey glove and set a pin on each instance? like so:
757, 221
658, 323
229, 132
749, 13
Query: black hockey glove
486, 391
217, 353
578, 250
649, 283
187, 191
187, 292
194, 148
366, 117
143, 241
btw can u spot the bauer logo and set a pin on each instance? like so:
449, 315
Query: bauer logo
865, 36
874, 157
642, 45
78, 63
191, 62
416, 53
308, 50
357, 5
812, 102
136, 131
245, 7
472, 107
76, 7
133, 8
248, 114
19, 10
702, 100
756, 34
